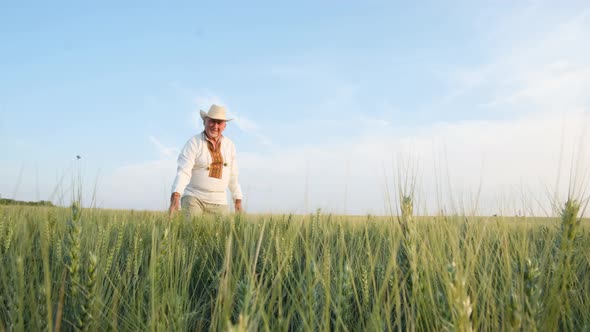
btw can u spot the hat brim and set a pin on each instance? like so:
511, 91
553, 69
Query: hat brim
204, 115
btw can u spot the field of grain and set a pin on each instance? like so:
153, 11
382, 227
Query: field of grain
69, 269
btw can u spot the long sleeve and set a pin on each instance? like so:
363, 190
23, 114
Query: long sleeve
193, 172
186, 162
234, 185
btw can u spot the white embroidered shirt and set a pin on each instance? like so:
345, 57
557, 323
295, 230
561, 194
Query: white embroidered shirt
193, 172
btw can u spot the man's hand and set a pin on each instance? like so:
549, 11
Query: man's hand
174, 204
238, 205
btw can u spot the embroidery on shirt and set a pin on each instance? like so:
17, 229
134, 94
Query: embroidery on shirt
216, 167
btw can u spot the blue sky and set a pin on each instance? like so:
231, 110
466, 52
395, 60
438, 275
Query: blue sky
328, 99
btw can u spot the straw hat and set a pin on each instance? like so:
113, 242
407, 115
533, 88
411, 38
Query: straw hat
215, 112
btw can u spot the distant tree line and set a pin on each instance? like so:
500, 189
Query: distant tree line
7, 201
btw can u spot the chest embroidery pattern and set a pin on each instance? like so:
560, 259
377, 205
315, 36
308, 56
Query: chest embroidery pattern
216, 167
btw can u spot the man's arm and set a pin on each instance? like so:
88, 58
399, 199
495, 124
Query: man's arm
234, 185
174, 203
238, 205
186, 162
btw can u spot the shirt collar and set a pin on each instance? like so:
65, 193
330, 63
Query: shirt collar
207, 138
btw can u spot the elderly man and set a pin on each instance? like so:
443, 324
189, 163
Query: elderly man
206, 168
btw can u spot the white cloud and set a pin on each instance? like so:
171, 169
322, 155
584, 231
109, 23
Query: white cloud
508, 159
138, 186
144, 185
373, 121
518, 163
555, 86
245, 124
545, 72
163, 150
203, 102
499, 154
251, 128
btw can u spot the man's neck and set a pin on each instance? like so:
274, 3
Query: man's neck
212, 140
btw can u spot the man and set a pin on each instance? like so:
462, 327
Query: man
206, 168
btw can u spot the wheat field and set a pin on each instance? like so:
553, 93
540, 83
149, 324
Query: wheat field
66, 269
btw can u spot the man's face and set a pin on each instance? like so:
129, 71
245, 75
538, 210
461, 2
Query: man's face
214, 128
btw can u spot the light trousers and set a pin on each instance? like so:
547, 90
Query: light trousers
192, 206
